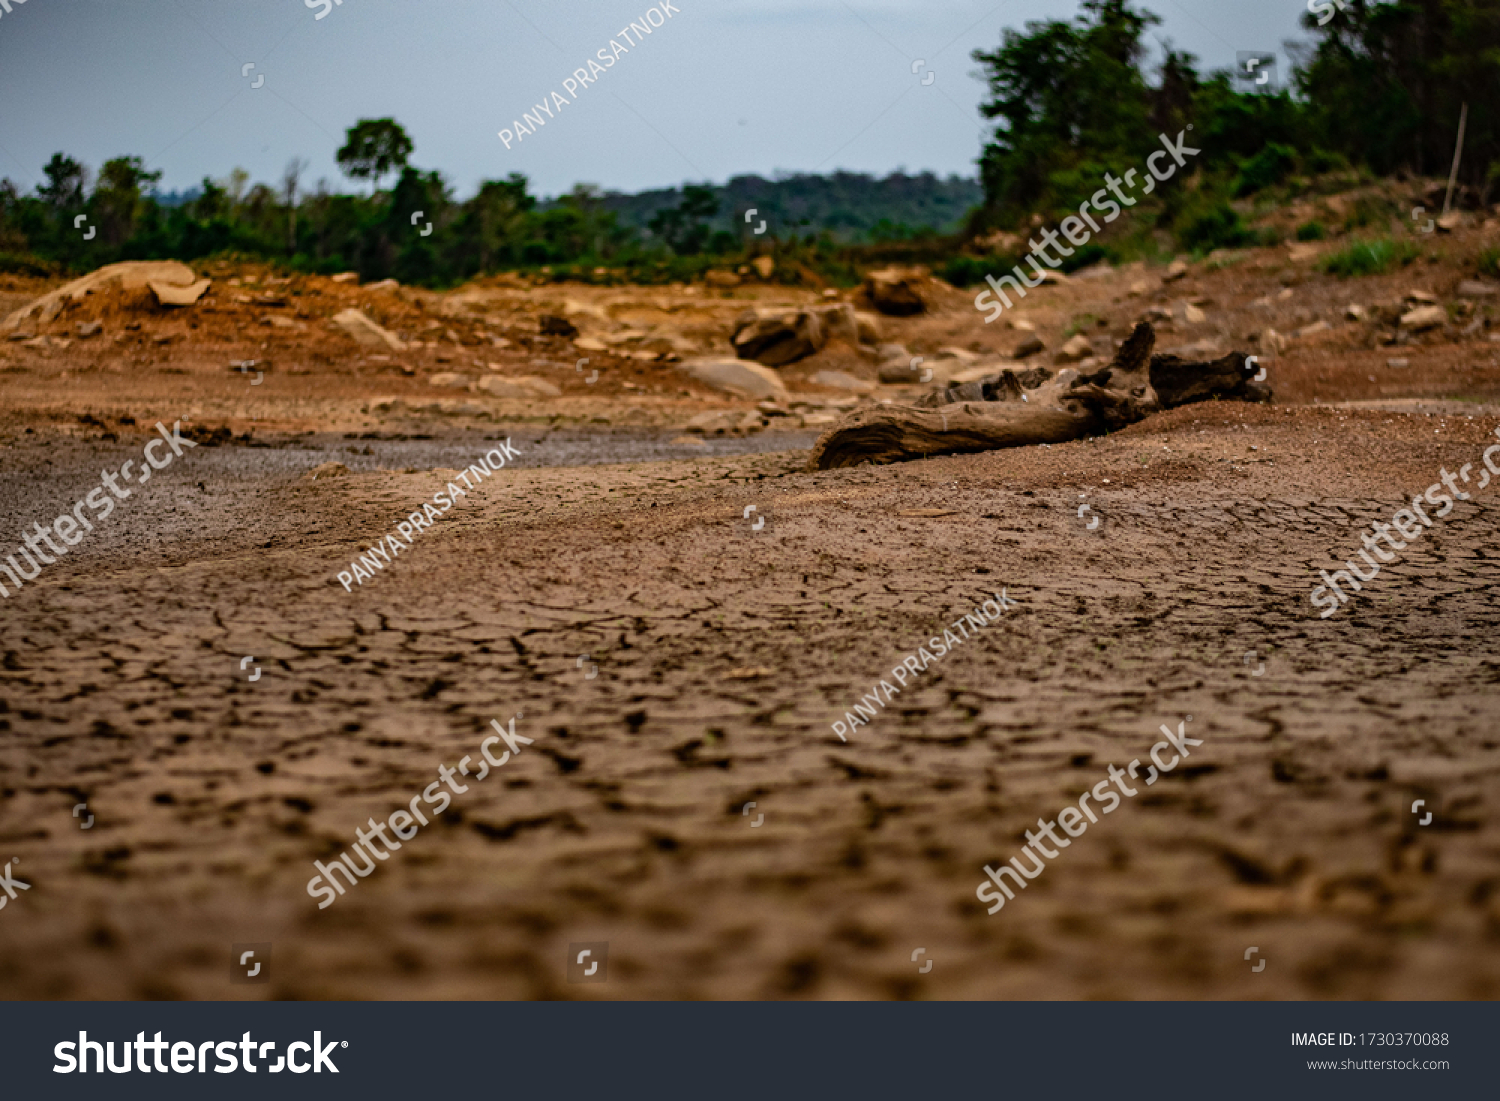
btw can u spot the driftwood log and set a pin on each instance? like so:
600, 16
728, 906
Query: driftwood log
1019, 408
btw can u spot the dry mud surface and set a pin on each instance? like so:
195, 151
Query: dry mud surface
723, 656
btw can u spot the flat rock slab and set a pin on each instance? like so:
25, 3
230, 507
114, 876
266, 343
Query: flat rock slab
169, 294
735, 376
358, 325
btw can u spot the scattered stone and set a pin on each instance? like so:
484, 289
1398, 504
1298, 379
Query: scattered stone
1175, 271
1285, 293
1396, 362
713, 423
1316, 327
868, 325
1473, 288
900, 372
1271, 342
346, 277
552, 325
384, 285
777, 337
1140, 286
888, 352
735, 376
588, 344
842, 380
1423, 318
1450, 221
524, 386
1074, 350
897, 291
87, 329
447, 378
773, 409
764, 266
1193, 315
366, 332
1030, 346
1422, 296
1356, 313
169, 294
722, 279
839, 322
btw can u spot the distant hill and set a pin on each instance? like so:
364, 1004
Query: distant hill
853, 206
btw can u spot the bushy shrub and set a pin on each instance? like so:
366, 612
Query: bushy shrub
1267, 168
1311, 231
1217, 227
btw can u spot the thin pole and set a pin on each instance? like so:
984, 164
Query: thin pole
1458, 149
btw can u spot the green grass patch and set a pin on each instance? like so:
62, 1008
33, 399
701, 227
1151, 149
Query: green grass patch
1489, 262
1311, 231
1370, 257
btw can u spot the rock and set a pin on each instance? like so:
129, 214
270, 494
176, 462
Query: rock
722, 279
168, 294
1396, 362
1422, 296
777, 337
588, 344
764, 266
1473, 288
751, 422
1054, 278
1074, 350
87, 329
524, 386
384, 285
447, 378
1140, 286
1030, 346
714, 423
842, 380
839, 322
1353, 312
1450, 221
735, 376
1193, 315
1314, 328
1424, 318
696, 442
129, 275
1271, 342
346, 277
327, 470
366, 332
897, 291
868, 325
1175, 271
901, 372
890, 352
552, 325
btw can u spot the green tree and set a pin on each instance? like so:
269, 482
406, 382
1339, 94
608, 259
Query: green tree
119, 198
373, 148
684, 227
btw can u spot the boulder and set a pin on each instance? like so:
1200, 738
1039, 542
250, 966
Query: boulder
1029, 346
764, 266
777, 337
735, 376
869, 327
1075, 350
129, 275
897, 291
1423, 318
842, 380
170, 294
359, 326
524, 386
839, 322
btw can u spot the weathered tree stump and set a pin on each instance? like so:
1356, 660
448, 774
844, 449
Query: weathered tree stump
1016, 409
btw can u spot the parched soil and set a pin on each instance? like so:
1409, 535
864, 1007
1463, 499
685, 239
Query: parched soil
723, 656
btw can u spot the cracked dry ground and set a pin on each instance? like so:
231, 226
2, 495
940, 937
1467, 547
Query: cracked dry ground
1290, 831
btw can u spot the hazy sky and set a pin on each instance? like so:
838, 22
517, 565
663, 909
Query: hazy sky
725, 87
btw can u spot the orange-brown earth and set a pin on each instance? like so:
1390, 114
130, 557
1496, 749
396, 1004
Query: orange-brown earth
724, 655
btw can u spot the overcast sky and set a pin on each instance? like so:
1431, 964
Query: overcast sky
725, 87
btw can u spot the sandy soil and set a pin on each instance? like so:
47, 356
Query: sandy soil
724, 655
